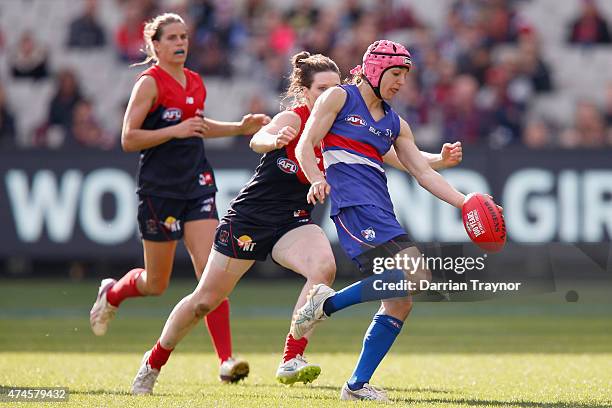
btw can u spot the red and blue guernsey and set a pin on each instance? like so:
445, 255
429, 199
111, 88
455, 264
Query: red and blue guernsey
352, 153
353, 149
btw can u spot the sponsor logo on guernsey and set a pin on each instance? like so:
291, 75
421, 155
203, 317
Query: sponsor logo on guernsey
151, 226
368, 234
189, 100
246, 243
172, 115
223, 237
389, 133
207, 204
286, 165
356, 120
206, 179
377, 132
172, 224
300, 213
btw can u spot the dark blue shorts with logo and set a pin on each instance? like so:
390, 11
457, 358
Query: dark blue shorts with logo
163, 219
240, 237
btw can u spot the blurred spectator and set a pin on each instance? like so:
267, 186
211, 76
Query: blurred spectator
352, 11
29, 59
281, 36
66, 97
590, 27
85, 31
532, 65
589, 130
463, 120
211, 59
8, 132
537, 134
85, 129
303, 15
129, 37
396, 15
608, 105
506, 95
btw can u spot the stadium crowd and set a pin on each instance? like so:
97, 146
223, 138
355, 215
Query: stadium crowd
474, 77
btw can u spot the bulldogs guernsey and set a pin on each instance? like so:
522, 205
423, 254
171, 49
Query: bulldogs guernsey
276, 194
352, 153
177, 168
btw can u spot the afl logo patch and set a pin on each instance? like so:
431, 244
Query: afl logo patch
172, 114
355, 120
287, 165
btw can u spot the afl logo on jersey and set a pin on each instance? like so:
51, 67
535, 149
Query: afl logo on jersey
287, 165
172, 114
355, 120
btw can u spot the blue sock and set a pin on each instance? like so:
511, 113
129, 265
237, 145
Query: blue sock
377, 341
365, 291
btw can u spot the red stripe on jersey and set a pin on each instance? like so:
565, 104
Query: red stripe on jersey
303, 112
364, 149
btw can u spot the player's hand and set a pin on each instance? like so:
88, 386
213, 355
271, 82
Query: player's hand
499, 207
318, 191
252, 122
284, 136
452, 154
191, 127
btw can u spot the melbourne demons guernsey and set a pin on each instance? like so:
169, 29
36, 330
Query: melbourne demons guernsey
352, 153
277, 191
177, 168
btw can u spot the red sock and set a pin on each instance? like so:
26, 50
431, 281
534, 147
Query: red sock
159, 356
294, 347
124, 288
218, 323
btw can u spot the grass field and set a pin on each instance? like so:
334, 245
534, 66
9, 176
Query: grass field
525, 352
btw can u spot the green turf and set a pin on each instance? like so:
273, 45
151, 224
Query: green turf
523, 352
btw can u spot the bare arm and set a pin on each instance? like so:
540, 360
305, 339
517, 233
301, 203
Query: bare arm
283, 128
450, 156
321, 119
410, 156
134, 138
249, 124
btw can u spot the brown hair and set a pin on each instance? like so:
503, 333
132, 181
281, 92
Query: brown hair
153, 30
305, 66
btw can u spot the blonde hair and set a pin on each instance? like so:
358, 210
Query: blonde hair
153, 32
305, 66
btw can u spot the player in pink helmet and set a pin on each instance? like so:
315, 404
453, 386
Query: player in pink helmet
356, 128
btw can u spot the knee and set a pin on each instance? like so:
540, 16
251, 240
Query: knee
156, 288
399, 308
201, 309
322, 271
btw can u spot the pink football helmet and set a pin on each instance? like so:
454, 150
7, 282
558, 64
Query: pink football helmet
381, 56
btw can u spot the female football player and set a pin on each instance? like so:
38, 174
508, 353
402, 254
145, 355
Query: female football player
361, 207
165, 121
270, 216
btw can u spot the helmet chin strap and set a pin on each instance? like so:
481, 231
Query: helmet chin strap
376, 89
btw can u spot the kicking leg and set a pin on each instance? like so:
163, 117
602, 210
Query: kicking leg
305, 250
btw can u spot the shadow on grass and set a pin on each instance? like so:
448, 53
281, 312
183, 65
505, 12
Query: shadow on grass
493, 403
113, 392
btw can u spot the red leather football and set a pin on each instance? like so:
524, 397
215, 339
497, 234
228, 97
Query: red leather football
484, 222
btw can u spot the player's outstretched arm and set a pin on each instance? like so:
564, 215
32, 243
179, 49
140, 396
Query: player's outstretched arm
143, 97
283, 128
450, 156
321, 119
410, 156
249, 124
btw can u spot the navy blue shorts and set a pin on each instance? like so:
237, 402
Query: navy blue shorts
162, 219
364, 227
241, 238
